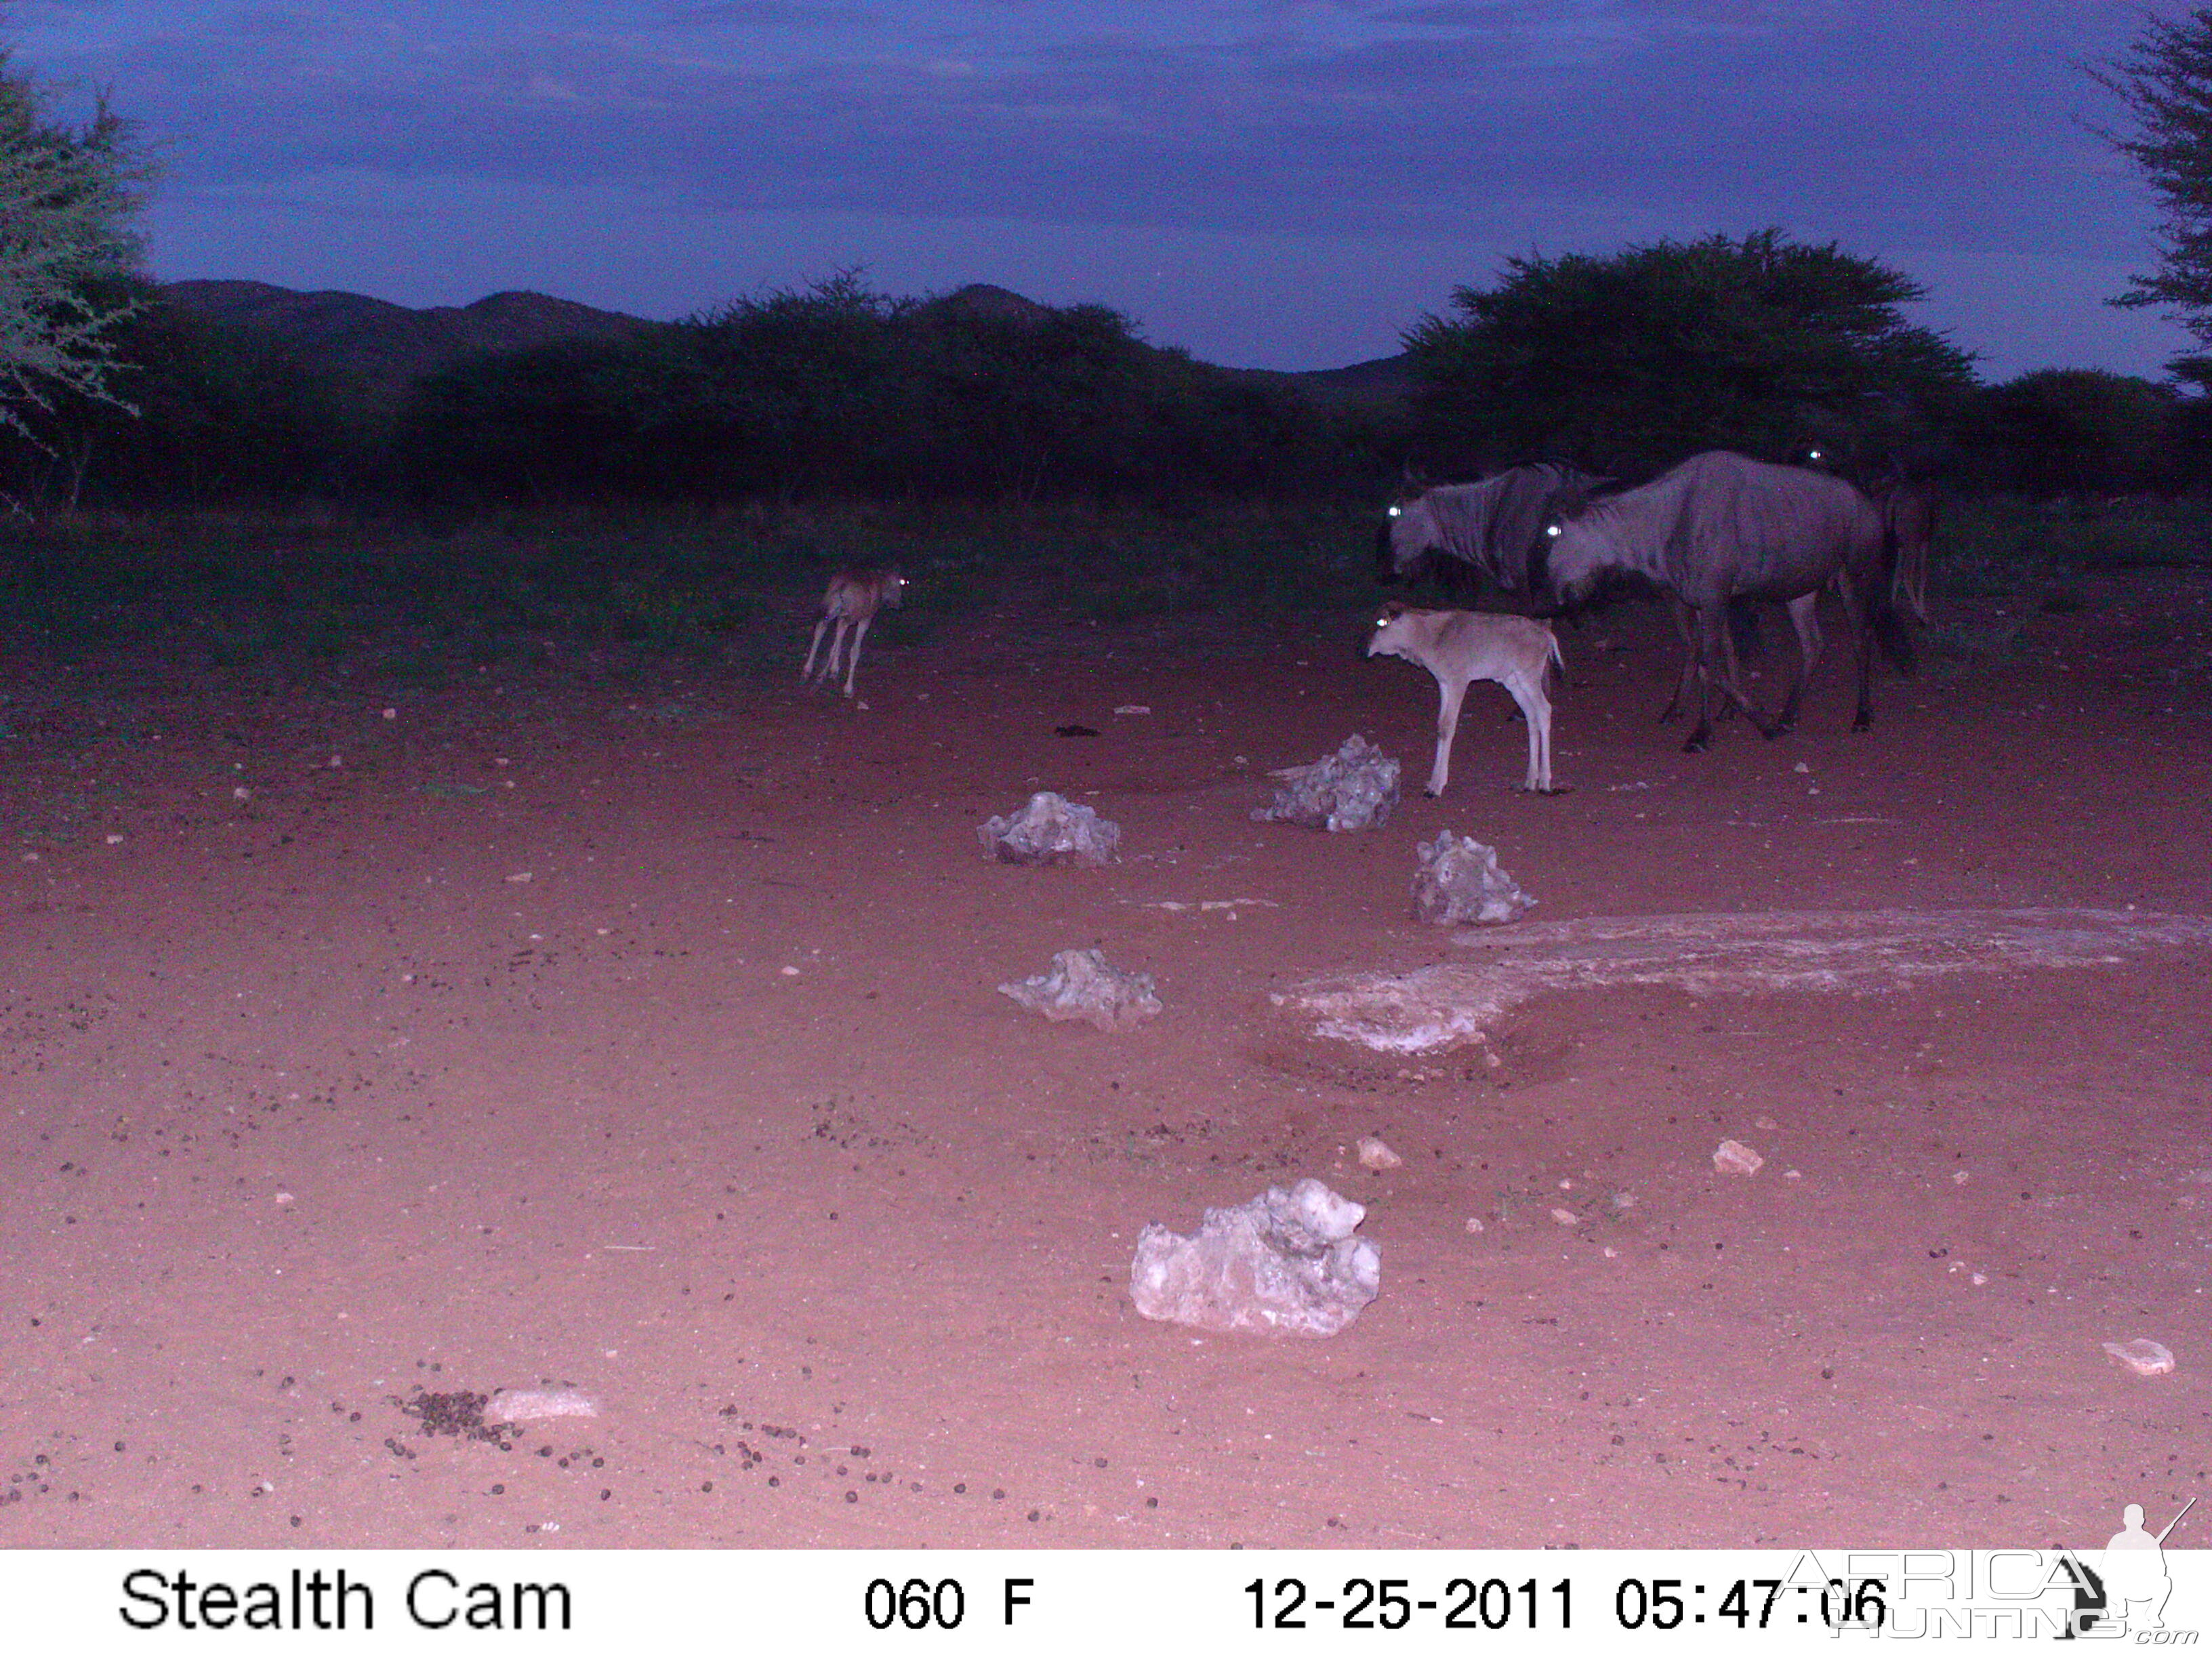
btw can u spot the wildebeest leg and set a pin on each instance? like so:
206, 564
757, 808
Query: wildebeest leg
807, 672
1863, 720
1702, 626
837, 650
1680, 611
1447, 725
1718, 642
1536, 709
1805, 618
853, 662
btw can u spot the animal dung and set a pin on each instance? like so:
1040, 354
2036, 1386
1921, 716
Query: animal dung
1082, 985
1284, 1262
1734, 1158
1354, 788
1459, 881
1375, 1153
532, 1405
2143, 1356
1050, 829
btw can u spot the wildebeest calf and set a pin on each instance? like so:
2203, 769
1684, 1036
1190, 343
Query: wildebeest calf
854, 599
1461, 647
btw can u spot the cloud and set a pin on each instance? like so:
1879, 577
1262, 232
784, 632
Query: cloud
1562, 123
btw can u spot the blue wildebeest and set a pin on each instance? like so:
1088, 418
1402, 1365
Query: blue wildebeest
1907, 505
1461, 647
852, 599
1719, 528
1908, 521
1491, 527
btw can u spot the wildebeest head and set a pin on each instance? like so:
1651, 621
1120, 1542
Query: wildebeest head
1386, 639
1570, 561
1409, 533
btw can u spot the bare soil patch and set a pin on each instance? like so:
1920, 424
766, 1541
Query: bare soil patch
639, 1038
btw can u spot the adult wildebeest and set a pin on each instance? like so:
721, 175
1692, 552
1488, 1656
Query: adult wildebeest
1494, 528
1908, 520
1720, 527
1491, 526
1907, 505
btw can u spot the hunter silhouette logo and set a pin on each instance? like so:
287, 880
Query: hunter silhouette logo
2136, 1581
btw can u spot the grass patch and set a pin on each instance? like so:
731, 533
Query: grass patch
290, 593
2002, 545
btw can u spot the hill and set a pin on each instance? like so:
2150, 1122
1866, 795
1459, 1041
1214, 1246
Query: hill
379, 348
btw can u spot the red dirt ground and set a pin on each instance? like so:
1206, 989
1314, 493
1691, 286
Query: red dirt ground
479, 1060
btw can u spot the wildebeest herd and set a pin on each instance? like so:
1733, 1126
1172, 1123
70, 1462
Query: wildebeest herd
1715, 536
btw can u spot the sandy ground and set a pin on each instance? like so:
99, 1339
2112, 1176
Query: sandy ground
642, 1037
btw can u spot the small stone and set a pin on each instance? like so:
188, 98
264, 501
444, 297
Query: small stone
1734, 1158
284, 1200
1801, 766
241, 792
1959, 1177
2143, 1356
1765, 1123
115, 841
1474, 1224
1566, 1217
391, 714
520, 878
1375, 1153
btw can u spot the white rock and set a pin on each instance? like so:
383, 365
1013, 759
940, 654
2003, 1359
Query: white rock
2143, 1356
1734, 1158
1375, 1153
532, 1405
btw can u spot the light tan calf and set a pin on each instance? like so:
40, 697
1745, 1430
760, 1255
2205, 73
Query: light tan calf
1461, 647
854, 599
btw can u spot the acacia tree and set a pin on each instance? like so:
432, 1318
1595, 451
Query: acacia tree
68, 257
1632, 361
2166, 82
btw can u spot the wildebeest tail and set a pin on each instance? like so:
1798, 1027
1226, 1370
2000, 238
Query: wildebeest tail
1892, 632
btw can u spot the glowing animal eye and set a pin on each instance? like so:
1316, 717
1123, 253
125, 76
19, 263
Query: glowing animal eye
1395, 511
1550, 530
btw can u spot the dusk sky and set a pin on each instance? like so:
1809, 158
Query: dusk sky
1285, 186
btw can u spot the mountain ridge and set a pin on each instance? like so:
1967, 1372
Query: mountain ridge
381, 347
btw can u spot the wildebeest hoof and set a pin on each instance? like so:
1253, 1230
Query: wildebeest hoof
1432, 794
1699, 742
1670, 714
1864, 723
